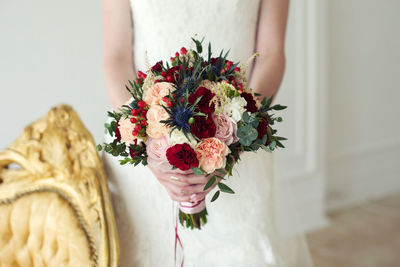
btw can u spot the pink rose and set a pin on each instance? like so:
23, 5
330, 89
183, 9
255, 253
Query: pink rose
211, 153
126, 128
226, 129
154, 94
156, 149
155, 128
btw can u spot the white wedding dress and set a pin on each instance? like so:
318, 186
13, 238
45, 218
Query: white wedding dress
241, 228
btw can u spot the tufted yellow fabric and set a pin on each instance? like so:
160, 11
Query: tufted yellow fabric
55, 208
42, 229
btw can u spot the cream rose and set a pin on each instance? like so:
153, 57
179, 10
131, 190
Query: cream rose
178, 137
211, 154
155, 128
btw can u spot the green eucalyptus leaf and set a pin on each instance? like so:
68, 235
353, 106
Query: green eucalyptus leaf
272, 145
224, 188
266, 148
278, 107
210, 182
197, 171
215, 196
246, 117
247, 134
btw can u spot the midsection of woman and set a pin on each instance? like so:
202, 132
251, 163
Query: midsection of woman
240, 230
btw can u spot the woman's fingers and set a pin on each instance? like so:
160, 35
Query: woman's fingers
177, 197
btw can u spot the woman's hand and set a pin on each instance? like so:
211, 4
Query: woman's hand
182, 186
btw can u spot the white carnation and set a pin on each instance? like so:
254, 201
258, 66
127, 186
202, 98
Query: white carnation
235, 108
178, 137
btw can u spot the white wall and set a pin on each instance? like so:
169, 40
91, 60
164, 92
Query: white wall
364, 94
50, 53
300, 168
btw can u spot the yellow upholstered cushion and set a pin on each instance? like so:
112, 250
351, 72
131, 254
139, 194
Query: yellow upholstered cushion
42, 229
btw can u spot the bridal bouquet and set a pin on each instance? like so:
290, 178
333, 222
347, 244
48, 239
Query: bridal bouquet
196, 115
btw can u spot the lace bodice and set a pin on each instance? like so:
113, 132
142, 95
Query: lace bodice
162, 27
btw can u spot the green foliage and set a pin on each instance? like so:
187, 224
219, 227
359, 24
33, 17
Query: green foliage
210, 182
224, 188
247, 134
215, 196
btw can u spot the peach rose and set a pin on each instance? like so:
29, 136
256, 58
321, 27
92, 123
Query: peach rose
154, 94
211, 153
226, 129
126, 128
155, 128
157, 149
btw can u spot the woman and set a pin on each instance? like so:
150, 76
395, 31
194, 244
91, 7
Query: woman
240, 230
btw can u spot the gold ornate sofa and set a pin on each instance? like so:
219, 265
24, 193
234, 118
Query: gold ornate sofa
55, 208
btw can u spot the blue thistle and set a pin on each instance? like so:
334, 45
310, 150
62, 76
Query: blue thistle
181, 116
188, 85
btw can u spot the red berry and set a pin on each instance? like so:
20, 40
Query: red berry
142, 104
229, 64
142, 75
134, 112
172, 59
165, 99
163, 73
182, 100
236, 69
133, 120
134, 133
183, 51
176, 54
240, 86
142, 116
169, 79
138, 127
169, 104
143, 122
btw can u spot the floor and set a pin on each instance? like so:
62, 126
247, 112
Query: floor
364, 236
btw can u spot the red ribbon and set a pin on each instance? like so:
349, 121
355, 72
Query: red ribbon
177, 239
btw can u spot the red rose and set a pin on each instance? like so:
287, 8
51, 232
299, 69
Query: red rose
262, 130
117, 133
204, 103
182, 156
251, 103
157, 67
203, 127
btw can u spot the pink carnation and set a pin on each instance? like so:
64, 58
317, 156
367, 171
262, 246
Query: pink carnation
154, 94
211, 153
126, 128
226, 129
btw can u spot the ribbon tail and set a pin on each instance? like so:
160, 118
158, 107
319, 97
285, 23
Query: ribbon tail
177, 238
